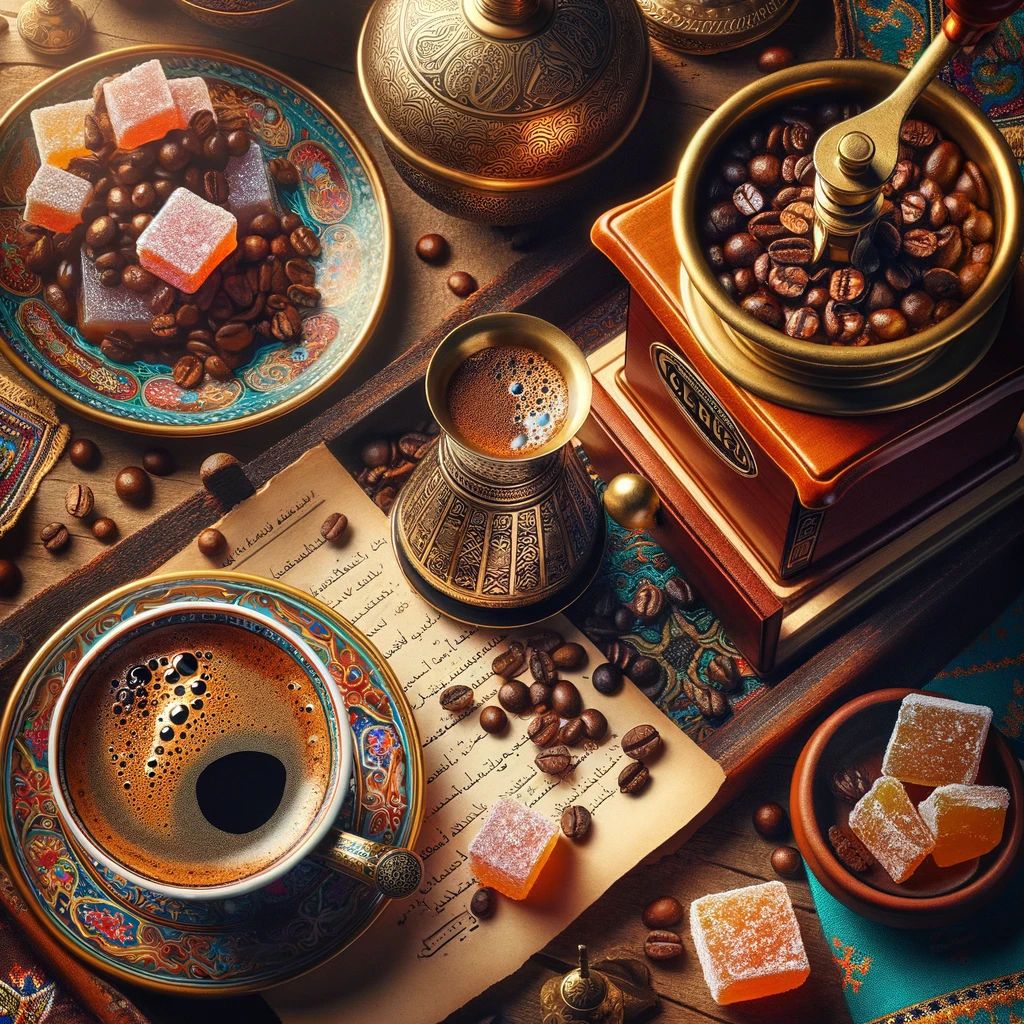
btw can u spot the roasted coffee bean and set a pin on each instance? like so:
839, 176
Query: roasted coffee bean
565, 699
791, 251
723, 219
742, 249
765, 170
238, 142
492, 719
161, 299
797, 218
138, 279
215, 152
547, 640
102, 231
575, 821
851, 852
334, 527
284, 172
484, 902
216, 367
607, 679
764, 306
918, 134
679, 592
68, 275
940, 283
846, 285
641, 741
79, 500
139, 223
621, 654
789, 282
663, 912
238, 290
540, 696
734, 172
786, 861
572, 733
949, 247
942, 164
56, 298
10, 576
211, 542
203, 124
724, 671
433, 248
118, 347
774, 58
234, 336
542, 668
663, 945
513, 659
55, 537
770, 821
554, 760
304, 295
600, 627
84, 453
163, 326
817, 297
110, 278
377, 453
133, 485
569, 656
300, 272
215, 187
595, 725
978, 226
104, 529
543, 728
983, 252
633, 777
255, 248
648, 602
456, 699
92, 133
623, 619
917, 307
41, 256
158, 461
888, 324
304, 241
766, 227
944, 308
514, 696
850, 784
880, 296
748, 199
842, 322
803, 323
290, 221
971, 277
109, 260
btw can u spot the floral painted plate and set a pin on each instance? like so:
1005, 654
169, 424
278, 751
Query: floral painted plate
204, 948
340, 194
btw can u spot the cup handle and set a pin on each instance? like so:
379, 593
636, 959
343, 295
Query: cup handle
395, 871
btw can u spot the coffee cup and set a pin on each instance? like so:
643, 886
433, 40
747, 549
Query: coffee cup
201, 750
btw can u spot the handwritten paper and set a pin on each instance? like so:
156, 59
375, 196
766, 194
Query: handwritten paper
426, 956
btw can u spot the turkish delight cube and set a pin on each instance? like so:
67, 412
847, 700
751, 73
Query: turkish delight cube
140, 105
937, 741
60, 131
186, 240
102, 309
748, 942
54, 199
966, 821
511, 847
249, 189
888, 824
190, 95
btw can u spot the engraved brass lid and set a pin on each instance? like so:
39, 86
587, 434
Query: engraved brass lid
504, 94
714, 25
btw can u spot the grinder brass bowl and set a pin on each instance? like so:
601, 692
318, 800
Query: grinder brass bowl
782, 359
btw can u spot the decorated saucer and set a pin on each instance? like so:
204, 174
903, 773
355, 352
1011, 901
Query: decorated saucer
340, 194
208, 948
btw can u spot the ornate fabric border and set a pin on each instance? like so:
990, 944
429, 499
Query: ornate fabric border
961, 1006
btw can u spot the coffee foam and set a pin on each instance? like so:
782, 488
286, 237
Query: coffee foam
507, 400
134, 793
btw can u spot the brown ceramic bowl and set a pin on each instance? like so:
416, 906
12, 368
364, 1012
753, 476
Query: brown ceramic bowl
856, 736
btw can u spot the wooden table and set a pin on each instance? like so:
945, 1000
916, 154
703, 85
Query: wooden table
725, 852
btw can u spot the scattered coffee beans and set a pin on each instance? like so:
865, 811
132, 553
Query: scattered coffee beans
554, 760
334, 527
79, 500
543, 728
510, 662
569, 656
648, 602
575, 821
641, 741
607, 679
84, 454
565, 699
644, 671
493, 719
595, 725
433, 248
159, 462
547, 641
104, 529
572, 733
10, 576
133, 485
456, 699
484, 902
770, 821
663, 913
633, 777
850, 784
850, 850
542, 668
663, 945
724, 671
211, 542
540, 696
55, 537
775, 58
462, 284
786, 861
514, 696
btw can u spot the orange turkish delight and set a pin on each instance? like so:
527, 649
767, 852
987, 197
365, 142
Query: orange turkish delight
748, 942
190, 95
887, 823
511, 847
54, 199
936, 741
60, 131
140, 105
186, 240
966, 821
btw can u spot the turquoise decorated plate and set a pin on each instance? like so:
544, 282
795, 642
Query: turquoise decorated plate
340, 194
208, 948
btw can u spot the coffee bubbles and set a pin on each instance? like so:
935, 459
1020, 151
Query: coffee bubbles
507, 401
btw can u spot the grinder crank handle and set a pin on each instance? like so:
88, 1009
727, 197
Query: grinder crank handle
396, 872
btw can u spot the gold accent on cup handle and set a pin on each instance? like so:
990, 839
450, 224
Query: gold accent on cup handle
632, 501
395, 871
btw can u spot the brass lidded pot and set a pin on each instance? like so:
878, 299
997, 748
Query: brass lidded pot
770, 359
492, 109
501, 541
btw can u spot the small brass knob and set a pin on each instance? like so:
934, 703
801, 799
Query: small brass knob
632, 501
856, 151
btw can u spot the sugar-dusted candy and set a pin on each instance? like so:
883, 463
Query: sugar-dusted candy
102, 309
511, 847
748, 942
54, 199
190, 95
140, 105
888, 824
966, 821
249, 190
60, 131
186, 240
936, 741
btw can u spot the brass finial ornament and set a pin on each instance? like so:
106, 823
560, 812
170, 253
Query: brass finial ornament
632, 501
52, 26
492, 109
855, 158
582, 995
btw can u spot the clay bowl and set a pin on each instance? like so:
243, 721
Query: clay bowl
856, 735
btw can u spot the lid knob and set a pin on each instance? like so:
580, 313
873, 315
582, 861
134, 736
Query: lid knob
582, 990
508, 19
856, 151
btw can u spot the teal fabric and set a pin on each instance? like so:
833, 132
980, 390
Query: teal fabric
973, 971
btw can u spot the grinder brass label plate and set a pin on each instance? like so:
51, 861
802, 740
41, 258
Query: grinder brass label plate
704, 410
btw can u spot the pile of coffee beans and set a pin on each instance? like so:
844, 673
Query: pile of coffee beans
255, 294
660, 916
389, 461
931, 248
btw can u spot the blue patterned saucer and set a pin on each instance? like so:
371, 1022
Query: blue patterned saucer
204, 948
340, 194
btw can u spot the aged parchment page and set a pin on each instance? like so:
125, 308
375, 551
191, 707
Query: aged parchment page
426, 956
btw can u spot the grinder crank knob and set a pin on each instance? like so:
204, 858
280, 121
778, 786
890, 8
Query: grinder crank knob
394, 871
969, 20
632, 501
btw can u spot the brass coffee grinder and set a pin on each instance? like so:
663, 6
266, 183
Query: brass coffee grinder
797, 479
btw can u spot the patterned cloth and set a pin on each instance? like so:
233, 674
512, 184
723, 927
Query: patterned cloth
31, 440
972, 971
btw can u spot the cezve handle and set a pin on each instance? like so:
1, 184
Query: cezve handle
395, 871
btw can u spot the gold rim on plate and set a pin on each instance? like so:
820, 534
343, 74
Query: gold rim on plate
72, 625
376, 308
